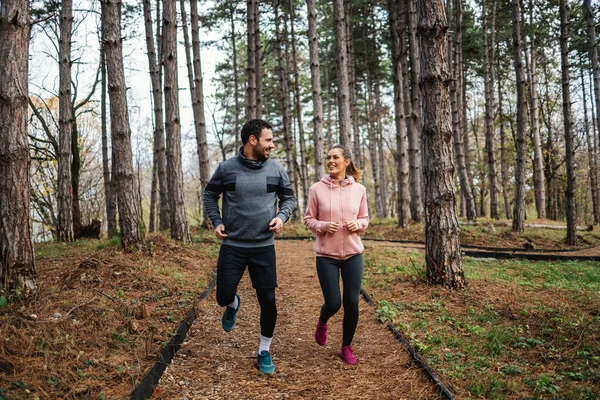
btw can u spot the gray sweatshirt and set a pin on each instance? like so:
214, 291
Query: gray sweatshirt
250, 192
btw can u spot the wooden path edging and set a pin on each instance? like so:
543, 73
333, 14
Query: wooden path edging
145, 389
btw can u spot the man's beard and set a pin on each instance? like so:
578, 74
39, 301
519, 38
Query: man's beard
259, 153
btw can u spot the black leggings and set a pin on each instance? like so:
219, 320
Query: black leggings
351, 270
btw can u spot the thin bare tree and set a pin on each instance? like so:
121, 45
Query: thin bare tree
456, 101
64, 227
488, 81
401, 156
179, 222
159, 156
518, 224
539, 184
571, 211
414, 120
315, 78
343, 90
251, 22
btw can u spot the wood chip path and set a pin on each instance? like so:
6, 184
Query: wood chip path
213, 364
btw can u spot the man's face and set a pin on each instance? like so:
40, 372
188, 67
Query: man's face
264, 145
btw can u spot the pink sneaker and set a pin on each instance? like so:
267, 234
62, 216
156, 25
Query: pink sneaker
321, 333
348, 355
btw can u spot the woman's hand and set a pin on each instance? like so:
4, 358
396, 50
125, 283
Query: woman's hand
352, 226
332, 227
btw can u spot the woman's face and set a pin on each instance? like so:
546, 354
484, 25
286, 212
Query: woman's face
336, 163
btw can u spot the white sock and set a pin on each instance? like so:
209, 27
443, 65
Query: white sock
265, 343
235, 303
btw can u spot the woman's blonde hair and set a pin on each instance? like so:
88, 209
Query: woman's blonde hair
351, 169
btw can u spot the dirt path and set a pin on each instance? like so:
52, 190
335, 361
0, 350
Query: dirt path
213, 364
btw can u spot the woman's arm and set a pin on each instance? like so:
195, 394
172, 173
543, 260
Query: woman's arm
311, 216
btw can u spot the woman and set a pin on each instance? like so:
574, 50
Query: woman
337, 213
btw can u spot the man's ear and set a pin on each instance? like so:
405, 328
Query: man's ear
253, 140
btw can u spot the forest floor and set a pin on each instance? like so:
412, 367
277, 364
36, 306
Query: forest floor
101, 317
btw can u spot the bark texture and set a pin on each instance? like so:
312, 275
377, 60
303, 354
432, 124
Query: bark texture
442, 233
129, 215
571, 212
17, 259
64, 226
159, 160
343, 91
315, 79
403, 190
179, 223
518, 224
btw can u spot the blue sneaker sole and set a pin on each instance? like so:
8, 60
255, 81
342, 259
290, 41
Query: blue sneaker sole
266, 370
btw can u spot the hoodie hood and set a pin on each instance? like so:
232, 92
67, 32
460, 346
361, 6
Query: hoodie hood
331, 183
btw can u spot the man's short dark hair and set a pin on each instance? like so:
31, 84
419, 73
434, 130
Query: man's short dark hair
253, 127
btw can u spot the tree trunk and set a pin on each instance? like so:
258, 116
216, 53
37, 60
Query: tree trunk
518, 224
401, 156
414, 127
442, 233
538, 166
109, 197
315, 76
64, 227
18, 269
129, 222
285, 101
298, 105
568, 126
236, 84
592, 165
343, 91
372, 143
251, 69
179, 223
328, 131
196, 91
488, 81
352, 85
593, 54
159, 158
258, 59
456, 104
503, 164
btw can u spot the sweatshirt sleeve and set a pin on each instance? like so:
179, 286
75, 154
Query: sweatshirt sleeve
363, 214
311, 216
287, 200
210, 197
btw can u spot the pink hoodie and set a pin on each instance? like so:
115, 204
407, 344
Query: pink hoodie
338, 201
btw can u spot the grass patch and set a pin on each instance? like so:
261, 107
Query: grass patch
520, 330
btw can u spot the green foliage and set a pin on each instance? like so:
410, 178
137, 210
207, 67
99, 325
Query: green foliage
386, 311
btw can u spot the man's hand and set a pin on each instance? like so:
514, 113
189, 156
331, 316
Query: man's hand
220, 232
276, 225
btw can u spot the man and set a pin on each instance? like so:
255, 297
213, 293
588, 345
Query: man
251, 184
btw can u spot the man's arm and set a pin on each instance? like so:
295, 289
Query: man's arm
211, 195
287, 200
